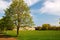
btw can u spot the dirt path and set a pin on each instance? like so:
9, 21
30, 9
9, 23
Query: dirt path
6, 37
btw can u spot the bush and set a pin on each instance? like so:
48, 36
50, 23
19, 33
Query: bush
38, 28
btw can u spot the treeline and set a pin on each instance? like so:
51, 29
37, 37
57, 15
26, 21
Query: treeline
47, 27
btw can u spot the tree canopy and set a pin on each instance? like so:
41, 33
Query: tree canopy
18, 14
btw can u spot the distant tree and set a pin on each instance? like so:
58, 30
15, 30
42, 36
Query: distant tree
58, 28
53, 28
46, 26
38, 28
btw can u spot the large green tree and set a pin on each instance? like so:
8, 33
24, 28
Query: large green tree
19, 12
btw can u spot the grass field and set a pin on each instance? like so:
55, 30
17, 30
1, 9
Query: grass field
36, 35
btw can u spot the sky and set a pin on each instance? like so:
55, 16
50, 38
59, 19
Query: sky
42, 11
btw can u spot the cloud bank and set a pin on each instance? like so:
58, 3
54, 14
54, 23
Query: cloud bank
31, 2
4, 4
51, 7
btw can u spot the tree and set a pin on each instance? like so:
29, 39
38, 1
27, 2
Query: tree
8, 23
19, 13
46, 26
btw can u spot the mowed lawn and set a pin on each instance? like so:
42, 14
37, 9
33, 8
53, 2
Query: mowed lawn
36, 35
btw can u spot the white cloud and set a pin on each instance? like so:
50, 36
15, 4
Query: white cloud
31, 2
3, 4
51, 7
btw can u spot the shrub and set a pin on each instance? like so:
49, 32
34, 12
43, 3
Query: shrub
38, 28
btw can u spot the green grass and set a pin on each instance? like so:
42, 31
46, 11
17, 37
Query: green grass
36, 35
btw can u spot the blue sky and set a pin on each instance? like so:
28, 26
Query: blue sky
42, 11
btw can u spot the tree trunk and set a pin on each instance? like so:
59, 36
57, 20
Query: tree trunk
18, 26
17, 30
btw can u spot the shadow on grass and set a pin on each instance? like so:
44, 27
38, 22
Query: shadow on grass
6, 36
